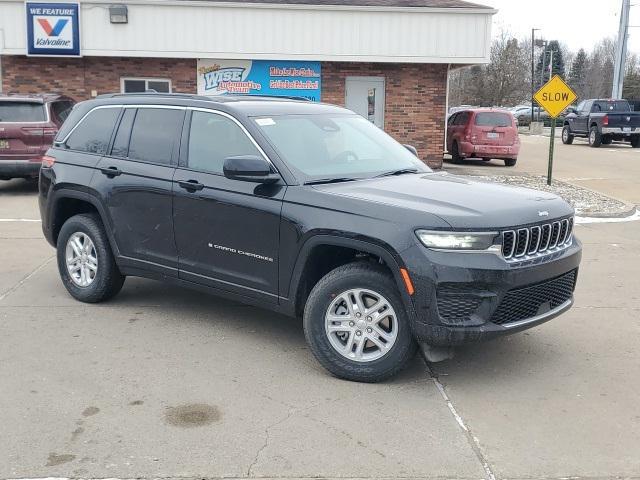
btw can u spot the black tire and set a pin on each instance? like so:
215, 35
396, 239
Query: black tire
510, 162
455, 153
108, 280
606, 140
567, 137
635, 141
595, 137
353, 276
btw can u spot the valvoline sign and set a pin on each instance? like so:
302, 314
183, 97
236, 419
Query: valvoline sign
53, 29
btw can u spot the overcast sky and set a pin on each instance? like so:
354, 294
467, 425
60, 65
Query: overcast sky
577, 23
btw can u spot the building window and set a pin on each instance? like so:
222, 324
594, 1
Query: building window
138, 85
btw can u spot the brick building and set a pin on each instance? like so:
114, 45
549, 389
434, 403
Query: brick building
385, 59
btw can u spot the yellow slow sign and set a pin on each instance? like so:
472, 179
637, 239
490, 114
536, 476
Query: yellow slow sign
554, 96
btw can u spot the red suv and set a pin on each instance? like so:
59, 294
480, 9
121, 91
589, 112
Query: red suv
28, 124
484, 133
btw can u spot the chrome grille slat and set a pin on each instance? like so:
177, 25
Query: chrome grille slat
537, 240
522, 242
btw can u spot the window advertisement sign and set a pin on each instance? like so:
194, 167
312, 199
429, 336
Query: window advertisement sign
53, 29
259, 77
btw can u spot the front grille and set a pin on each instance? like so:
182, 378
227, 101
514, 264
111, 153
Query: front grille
522, 303
536, 240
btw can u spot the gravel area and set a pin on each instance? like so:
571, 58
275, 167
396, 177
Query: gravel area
585, 201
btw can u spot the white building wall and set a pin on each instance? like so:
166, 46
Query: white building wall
197, 29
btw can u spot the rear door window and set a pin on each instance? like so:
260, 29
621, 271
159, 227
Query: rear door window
92, 135
19, 112
493, 119
155, 134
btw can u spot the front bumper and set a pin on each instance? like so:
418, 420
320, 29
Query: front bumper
19, 168
467, 297
470, 150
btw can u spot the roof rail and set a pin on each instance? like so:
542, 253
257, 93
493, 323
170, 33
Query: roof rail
153, 94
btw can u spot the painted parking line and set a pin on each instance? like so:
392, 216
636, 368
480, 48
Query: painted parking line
20, 220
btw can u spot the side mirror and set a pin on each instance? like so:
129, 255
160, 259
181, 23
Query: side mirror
412, 149
249, 168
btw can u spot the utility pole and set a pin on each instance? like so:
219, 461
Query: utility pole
621, 51
550, 64
533, 42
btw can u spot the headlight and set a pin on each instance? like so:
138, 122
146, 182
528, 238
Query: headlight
442, 240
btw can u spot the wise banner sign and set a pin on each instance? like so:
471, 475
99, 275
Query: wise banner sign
53, 29
259, 77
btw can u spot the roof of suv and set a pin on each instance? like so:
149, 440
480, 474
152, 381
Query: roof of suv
249, 105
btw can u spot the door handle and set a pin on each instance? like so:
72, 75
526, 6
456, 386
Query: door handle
191, 185
111, 171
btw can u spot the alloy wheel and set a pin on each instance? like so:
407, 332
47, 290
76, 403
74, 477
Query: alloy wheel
82, 259
361, 325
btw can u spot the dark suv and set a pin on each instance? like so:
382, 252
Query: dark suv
28, 124
307, 209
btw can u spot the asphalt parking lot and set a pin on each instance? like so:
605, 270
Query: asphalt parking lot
167, 383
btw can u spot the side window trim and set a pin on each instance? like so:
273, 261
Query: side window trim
233, 119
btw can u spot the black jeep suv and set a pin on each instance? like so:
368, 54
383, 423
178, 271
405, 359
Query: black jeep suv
306, 209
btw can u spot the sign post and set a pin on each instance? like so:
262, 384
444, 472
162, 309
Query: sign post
554, 96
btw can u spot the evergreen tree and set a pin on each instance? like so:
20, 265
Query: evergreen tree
558, 63
578, 74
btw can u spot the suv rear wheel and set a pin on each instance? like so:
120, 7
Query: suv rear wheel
455, 153
356, 324
86, 264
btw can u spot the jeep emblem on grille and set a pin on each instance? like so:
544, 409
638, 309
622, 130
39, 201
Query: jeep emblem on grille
543, 213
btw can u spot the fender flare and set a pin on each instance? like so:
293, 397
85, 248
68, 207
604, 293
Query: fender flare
85, 197
363, 244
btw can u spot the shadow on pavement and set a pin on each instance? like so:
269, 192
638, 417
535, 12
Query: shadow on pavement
19, 186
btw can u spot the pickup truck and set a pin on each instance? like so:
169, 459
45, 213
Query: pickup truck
602, 121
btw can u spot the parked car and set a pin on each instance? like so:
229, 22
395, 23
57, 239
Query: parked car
602, 121
28, 124
524, 115
483, 133
306, 209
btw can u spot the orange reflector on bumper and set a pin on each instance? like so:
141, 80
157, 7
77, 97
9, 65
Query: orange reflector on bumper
407, 281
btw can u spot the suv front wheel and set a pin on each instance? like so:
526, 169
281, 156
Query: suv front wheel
87, 267
356, 324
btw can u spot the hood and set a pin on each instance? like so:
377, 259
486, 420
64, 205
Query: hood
459, 201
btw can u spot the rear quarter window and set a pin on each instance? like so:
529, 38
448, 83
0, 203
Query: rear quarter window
93, 133
18, 112
493, 119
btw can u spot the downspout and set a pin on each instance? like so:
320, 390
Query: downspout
1, 50
446, 111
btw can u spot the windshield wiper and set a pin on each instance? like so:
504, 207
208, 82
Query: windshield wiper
400, 171
330, 180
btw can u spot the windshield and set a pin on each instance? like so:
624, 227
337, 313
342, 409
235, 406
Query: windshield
336, 146
13, 111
